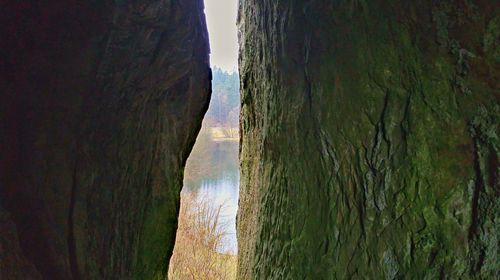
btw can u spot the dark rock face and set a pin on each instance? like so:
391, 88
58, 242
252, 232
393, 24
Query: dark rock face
369, 139
100, 105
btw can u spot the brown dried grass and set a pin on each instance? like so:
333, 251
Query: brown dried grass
199, 251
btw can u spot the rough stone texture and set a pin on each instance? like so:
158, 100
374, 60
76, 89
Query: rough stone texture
13, 265
100, 104
369, 139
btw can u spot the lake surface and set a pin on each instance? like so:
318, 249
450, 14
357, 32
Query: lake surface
212, 172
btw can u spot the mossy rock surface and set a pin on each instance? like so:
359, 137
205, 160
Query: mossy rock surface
369, 140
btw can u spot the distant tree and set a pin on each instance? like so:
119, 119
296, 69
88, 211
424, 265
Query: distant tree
225, 103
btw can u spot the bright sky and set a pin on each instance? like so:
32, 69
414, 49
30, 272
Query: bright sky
221, 20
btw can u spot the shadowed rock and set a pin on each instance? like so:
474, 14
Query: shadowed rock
100, 105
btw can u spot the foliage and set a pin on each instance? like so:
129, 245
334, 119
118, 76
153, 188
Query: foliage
199, 251
224, 107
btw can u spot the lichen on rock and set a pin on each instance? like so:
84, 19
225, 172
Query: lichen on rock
360, 150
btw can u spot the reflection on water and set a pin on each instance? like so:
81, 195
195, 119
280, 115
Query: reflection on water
212, 172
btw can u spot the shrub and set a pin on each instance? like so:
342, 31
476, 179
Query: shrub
199, 251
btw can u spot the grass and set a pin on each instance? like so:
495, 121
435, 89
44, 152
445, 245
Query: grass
199, 251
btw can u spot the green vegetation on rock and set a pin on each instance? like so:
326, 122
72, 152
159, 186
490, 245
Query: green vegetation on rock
369, 147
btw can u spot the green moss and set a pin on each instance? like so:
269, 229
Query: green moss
362, 156
491, 44
157, 239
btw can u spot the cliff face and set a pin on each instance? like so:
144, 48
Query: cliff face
100, 106
369, 139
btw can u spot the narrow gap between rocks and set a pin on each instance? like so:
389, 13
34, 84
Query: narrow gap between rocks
206, 245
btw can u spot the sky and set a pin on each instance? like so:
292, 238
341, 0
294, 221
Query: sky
221, 21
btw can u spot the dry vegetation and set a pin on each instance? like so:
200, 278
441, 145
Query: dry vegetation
225, 133
199, 249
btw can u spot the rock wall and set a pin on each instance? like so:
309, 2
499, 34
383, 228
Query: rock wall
100, 105
370, 140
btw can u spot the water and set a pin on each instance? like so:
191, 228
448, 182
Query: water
212, 172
